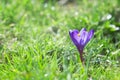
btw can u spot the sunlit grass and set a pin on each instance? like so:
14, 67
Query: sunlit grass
35, 44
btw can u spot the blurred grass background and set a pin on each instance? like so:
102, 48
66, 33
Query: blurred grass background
35, 44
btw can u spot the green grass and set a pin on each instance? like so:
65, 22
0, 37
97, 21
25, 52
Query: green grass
35, 44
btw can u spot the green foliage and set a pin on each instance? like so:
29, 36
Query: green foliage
35, 44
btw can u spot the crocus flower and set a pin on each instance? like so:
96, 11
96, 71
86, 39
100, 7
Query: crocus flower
80, 39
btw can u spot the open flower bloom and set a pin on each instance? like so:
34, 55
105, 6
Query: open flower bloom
80, 39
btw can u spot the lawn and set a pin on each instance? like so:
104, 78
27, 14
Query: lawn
35, 42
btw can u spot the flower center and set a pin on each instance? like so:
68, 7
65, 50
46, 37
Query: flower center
78, 34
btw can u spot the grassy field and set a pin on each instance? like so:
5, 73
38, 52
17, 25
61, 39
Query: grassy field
35, 42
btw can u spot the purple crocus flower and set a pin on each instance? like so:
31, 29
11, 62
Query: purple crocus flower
80, 39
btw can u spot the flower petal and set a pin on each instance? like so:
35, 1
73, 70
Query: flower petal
90, 34
83, 38
74, 36
82, 30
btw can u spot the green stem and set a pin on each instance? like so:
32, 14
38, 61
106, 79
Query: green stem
81, 55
